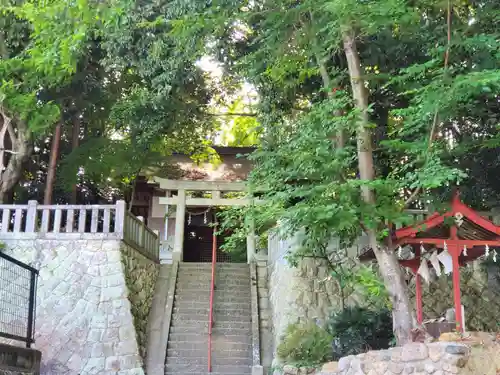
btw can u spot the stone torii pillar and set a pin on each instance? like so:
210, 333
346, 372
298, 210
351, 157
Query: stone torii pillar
179, 225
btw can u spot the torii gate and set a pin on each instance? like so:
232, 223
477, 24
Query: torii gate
469, 231
181, 201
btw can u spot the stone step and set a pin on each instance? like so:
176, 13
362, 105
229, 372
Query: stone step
184, 319
182, 305
202, 329
218, 310
207, 272
204, 297
217, 338
232, 331
237, 277
219, 290
227, 359
218, 271
185, 322
202, 352
202, 369
219, 284
224, 272
186, 265
196, 314
202, 345
239, 296
229, 274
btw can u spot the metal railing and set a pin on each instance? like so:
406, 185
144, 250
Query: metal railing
143, 239
212, 291
18, 283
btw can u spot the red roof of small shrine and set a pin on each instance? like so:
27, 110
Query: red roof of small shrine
470, 229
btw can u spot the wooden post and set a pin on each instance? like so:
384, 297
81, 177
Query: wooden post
179, 225
418, 297
418, 285
31, 216
455, 253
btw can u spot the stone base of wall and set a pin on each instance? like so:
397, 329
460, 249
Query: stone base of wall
440, 358
84, 320
16, 360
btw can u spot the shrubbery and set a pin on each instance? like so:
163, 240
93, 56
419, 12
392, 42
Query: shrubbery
305, 344
356, 330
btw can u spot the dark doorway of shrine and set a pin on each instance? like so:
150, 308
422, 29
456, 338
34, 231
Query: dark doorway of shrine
198, 238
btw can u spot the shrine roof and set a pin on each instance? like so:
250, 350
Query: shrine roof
468, 230
469, 223
460, 225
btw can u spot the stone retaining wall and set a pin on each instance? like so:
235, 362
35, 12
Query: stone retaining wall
84, 320
140, 276
441, 358
302, 293
265, 314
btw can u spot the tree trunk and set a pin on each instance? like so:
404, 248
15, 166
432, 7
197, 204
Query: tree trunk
340, 139
132, 194
75, 141
15, 150
51, 173
386, 258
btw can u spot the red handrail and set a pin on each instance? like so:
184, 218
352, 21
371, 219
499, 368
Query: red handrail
212, 289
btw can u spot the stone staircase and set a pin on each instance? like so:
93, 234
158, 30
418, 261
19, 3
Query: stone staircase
187, 350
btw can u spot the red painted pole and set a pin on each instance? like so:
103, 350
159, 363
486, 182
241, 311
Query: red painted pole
212, 289
455, 252
418, 285
418, 295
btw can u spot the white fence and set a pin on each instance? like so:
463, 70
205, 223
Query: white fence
104, 221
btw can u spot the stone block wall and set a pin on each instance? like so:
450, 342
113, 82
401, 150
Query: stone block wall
303, 293
480, 298
140, 276
84, 320
440, 358
265, 315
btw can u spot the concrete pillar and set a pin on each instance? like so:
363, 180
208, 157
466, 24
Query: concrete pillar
179, 225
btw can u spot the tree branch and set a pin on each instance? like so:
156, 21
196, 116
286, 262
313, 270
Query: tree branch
4, 52
433, 131
233, 114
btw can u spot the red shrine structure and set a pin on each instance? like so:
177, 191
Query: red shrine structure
461, 231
